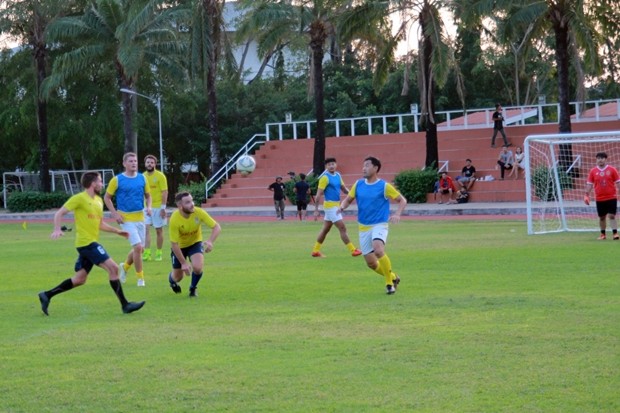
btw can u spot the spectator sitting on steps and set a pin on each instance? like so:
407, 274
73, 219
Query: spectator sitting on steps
446, 187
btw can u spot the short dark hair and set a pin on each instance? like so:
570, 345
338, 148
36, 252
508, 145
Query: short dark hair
601, 155
497, 105
467, 160
374, 161
328, 160
302, 176
180, 195
150, 157
88, 178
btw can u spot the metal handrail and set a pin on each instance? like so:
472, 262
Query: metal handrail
223, 172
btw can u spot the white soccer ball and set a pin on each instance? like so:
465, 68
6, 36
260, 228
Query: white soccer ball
246, 165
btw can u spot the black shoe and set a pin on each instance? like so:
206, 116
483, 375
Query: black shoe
45, 302
396, 282
192, 293
130, 307
389, 289
175, 287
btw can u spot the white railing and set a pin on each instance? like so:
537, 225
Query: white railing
447, 120
223, 172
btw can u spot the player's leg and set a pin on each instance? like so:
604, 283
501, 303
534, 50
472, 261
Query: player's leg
601, 209
342, 228
160, 243
197, 269
82, 268
148, 221
176, 275
137, 235
316, 250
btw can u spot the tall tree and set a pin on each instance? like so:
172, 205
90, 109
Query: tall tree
27, 21
129, 35
323, 24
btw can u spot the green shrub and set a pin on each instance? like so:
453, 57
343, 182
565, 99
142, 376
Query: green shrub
31, 201
290, 185
197, 189
414, 184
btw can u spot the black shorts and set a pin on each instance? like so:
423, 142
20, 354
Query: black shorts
91, 254
197, 248
302, 205
606, 207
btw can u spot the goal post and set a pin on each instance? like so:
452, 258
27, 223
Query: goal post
556, 170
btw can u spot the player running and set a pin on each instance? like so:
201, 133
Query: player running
373, 210
330, 185
606, 183
87, 208
186, 242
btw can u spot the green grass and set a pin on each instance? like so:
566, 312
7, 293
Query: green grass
487, 319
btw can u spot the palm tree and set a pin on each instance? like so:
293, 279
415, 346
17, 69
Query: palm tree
27, 21
321, 23
573, 25
130, 36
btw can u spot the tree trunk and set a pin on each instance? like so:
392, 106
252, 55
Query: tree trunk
130, 144
427, 94
40, 55
562, 61
317, 40
213, 24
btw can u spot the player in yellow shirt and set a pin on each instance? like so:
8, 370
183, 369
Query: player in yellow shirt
158, 185
131, 191
329, 187
185, 231
87, 208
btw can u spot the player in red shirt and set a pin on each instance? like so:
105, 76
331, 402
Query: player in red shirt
606, 183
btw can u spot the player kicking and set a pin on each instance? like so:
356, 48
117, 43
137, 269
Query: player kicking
87, 207
373, 214
186, 242
606, 183
329, 187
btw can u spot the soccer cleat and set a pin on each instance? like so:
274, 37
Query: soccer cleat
356, 253
317, 254
45, 302
396, 281
146, 256
130, 307
122, 274
616, 237
192, 293
141, 282
175, 287
602, 236
158, 256
389, 289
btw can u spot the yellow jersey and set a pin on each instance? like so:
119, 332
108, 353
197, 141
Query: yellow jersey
88, 214
158, 183
188, 231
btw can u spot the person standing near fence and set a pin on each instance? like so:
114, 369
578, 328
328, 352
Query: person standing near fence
87, 208
498, 125
131, 191
158, 185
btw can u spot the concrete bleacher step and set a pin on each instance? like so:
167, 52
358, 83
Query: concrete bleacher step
398, 152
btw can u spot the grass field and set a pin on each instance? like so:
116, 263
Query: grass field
486, 319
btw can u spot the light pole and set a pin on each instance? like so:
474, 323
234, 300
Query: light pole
157, 102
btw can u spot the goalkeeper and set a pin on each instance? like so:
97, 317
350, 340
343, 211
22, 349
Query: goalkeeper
606, 183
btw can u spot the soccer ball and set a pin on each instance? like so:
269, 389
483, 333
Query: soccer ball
246, 165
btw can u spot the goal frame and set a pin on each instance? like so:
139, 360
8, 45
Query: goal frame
560, 209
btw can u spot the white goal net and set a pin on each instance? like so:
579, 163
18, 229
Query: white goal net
556, 171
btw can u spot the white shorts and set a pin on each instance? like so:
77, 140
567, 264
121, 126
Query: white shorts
137, 234
155, 219
331, 214
378, 231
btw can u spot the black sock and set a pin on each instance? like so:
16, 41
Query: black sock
66, 285
603, 231
614, 231
195, 279
118, 290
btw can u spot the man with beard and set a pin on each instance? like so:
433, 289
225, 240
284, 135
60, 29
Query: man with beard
185, 233
159, 196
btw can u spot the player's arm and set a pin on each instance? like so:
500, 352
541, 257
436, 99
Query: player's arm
104, 226
586, 198
345, 203
164, 201
215, 232
147, 197
402, 203
107, 198
57, 232
317, 200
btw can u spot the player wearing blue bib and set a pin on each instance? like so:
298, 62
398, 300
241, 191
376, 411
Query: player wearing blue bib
87, 208
132, 192
329, 187
373, 197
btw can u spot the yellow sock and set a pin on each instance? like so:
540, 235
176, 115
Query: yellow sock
126, 266
140, 275
385, 265
351, 247
317, 247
